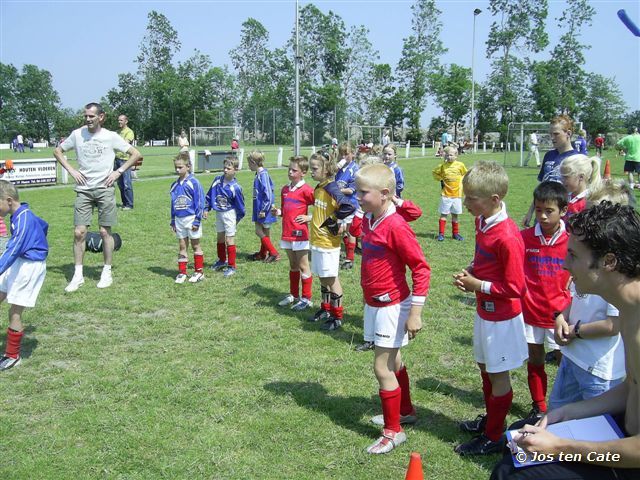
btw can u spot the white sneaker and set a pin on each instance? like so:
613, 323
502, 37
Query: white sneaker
181, 278
196, 277
288, 300
387, 442
106, 280
74, 284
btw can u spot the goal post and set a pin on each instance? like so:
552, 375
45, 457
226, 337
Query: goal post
213, 136
518, 139
356, 132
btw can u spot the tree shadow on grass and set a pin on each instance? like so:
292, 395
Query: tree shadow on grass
473, 398
162, 272
465, 299
464, 340
67, 270
29, 342
343, 411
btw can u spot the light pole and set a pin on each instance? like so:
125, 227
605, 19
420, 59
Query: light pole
476, 12
296, 132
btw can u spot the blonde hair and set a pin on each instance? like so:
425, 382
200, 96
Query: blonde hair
486, 179
377, 176
301, 161
369, 160
391, 146
257, 157
232, 161
344, 149
327, 162
582, 165
183, 157
377, 149
451, 151
8, 190
615, 191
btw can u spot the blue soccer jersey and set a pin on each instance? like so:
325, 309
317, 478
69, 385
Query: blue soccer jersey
224, 196
187, 198
263, 198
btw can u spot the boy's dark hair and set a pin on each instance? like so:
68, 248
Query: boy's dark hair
610, 228
551, 192
98, 107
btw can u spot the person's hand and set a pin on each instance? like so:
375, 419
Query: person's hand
562, 331
342, 229
262, 215
113, 176
302, 219
466, 282
205, 214
195, 228
173, 227
413, 325
78, 176
539, 440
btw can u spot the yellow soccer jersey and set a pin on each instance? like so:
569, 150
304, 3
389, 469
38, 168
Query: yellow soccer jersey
450, 173
325, 206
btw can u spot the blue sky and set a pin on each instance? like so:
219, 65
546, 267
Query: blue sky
86, 44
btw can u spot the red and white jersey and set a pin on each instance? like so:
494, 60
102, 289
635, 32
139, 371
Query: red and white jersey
545, 277
295, 201
499, 263
389, 245
576, 204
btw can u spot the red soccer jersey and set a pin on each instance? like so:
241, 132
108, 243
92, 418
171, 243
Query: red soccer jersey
576, 204
295, 201
388, 247
546, 279
499, 259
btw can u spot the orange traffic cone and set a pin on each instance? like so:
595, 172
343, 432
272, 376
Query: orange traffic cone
607, 170
414, 472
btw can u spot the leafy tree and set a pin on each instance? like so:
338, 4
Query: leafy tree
38, 102
632, 120
9, 112
452, 90
380, 96
487, 110
356, 80
421, 52
603, 106
66, 121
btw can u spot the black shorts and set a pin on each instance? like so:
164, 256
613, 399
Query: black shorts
631, 167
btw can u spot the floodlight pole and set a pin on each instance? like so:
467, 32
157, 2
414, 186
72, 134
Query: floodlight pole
296, 133
476, 12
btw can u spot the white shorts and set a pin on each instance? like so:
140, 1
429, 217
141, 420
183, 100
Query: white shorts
501, 346
183, 228
537, 335
226, 222
384, 326
450, 205
325, 263
22, 281
295, 246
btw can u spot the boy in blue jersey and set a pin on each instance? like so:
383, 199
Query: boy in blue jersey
346, 180
225, 197
22, 266
389, 159
187, 208
263, 204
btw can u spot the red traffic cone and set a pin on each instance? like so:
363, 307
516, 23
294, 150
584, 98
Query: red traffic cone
414, 472
607, 170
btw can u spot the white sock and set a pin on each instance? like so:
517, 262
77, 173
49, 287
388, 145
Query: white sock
106, 269
78, 271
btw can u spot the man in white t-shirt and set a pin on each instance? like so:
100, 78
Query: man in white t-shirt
533, 149
95, 177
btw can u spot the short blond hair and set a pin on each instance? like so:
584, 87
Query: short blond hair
344, 149
183, 157
8, 190
327, 162
615, 191
377, 176
366, 159
257, 157
301, 161
232, 161
451, 151
486, 179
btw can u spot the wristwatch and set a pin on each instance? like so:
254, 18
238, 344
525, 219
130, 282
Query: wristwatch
576, 329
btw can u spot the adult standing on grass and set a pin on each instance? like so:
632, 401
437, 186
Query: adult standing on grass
560, 130
631, 146
183, 142
604, 259
125, 183
95, 177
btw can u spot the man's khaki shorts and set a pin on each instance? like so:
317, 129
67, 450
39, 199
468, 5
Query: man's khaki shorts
101, 198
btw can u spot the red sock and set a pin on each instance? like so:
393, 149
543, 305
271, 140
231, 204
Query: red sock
537, 378
441, 226
455, 227
486, 387
497, 409
263, 249
294, 283
266, 242
222, 251
182, 266
307, 284
406, 407
351, 250
231, 254
337, 312
198, 262
13, 343
325, 306
390, 400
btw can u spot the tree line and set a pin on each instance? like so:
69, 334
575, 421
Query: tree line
342, 81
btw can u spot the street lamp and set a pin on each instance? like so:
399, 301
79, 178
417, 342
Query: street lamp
476, 12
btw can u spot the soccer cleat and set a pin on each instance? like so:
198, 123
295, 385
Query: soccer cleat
534, 416
480, 445
196, 277
404, 419
272, 258
9, 362
181, 278
106, 280
74, 284
346, 265
387, 442
440, 238
228, 272
363, 347
256, 257
288, 300
302, 304
321, 314
550, 357
331, 324
457, 236
219, 265
474, 426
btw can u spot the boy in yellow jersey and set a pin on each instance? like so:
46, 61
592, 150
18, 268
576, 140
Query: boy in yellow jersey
449, 173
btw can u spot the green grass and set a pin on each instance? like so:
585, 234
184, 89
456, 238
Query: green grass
149, 379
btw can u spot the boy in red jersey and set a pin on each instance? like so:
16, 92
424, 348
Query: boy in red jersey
497, 278
547, 293
391, 312
296, 199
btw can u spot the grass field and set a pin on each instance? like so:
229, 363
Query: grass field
148, 379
